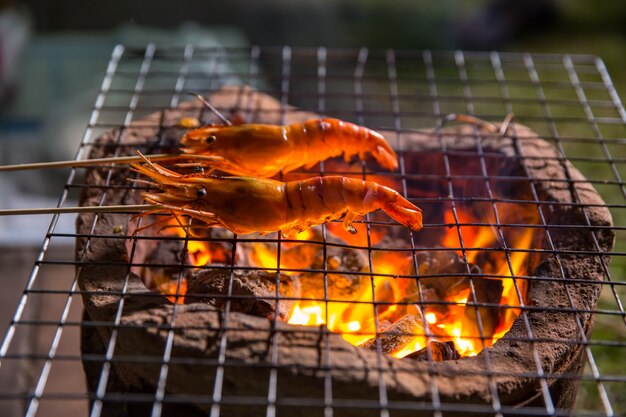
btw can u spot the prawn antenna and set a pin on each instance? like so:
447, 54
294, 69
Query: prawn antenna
466, 118
208, 105
506, 123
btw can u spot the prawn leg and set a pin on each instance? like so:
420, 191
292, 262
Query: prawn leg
347, 221
150, 225
292, 232
209, 218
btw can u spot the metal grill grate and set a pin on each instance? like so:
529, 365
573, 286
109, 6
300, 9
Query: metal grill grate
569, 100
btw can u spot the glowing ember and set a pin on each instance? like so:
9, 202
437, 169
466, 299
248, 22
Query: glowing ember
409, 348
356, 320
390, 293
198, 253
307, 315
173, 291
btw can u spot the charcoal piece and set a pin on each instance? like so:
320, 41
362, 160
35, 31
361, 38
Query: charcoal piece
442, 263
398, 335
334, 257
253, 292
309, 253
338, 256
440, 352
389, 241
411, 304
303, 254
341, 286
342, 259
296, 256
487, 291
166, 263
300, 256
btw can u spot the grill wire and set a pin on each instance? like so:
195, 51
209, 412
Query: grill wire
569, 100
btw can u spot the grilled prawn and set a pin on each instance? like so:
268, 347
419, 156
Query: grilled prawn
263, 150
247, 205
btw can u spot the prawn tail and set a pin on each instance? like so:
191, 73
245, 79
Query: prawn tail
404, 212
361, 197
386, 157
371, 141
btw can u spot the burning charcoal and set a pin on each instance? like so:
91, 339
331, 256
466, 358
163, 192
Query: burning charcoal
166, 261
292, 256
342, 259
442, 263
253, 292
300, 256
398, 335
409, 304
215, 249
340, 286
392, 242
445, 351
308, 253
384, 292
338, 258
487, 291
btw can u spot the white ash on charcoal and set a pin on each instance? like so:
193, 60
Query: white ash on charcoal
437, 352
397, 335
252, 291
343, 280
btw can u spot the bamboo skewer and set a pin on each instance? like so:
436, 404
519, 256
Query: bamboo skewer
105, 161
131, 208
86, 162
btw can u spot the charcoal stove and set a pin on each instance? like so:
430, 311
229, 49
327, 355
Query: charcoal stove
195, 351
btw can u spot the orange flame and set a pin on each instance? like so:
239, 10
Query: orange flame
198, 253
356, 320
174, 292
384, 296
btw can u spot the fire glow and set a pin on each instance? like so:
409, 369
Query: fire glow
384, 298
